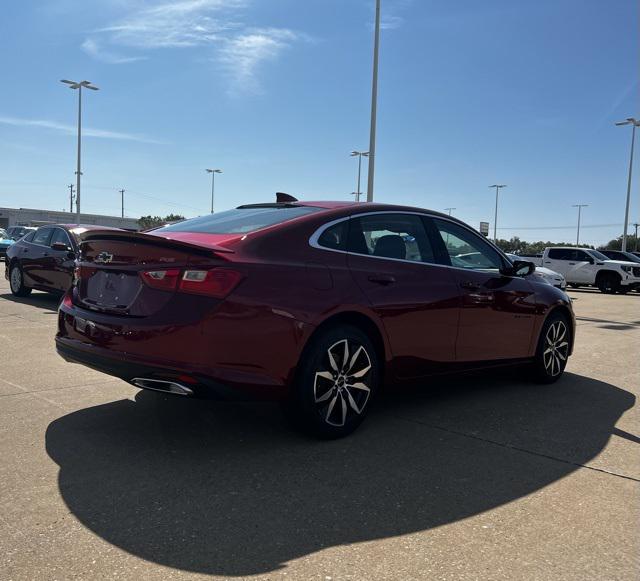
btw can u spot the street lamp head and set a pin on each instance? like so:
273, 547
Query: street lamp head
629, 121
75, 85
498, 186
213, 170
361, 153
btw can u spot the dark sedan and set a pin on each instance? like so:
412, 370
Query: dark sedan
316, 304
44, 259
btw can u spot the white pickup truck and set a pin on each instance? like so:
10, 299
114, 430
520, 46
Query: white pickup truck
586, 267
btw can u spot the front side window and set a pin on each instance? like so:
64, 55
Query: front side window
42, 236
582, 256
240, 220
397, 236
465, 249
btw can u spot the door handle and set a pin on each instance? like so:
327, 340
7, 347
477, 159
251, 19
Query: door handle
481, 298
572, 263
469, 285
383, 279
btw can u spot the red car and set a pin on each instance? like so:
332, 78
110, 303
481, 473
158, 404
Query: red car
317, 304
44, 259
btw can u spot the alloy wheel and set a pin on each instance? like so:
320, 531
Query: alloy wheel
556, 348
342, 386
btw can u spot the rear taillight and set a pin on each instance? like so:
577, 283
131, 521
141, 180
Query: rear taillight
67, 300
217, 282
161, 279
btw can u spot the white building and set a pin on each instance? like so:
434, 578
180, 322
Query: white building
29, 217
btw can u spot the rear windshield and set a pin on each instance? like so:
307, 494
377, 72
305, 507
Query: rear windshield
240, 220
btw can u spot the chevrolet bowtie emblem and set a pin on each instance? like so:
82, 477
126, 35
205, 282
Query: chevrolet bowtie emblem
104, 258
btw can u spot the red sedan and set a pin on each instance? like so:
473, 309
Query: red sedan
316, 304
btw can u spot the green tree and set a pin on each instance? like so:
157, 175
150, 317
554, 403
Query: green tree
148, 222
616, 244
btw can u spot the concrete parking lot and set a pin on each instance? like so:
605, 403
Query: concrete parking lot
486, 476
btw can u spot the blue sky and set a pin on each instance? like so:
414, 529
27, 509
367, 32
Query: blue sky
276, 93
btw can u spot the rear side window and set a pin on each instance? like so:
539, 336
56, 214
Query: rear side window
397, 236
560, 254
59, 235
29, 237
240, 220
42, 236
335, 237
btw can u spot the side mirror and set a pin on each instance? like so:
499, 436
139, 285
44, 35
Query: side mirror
61, 247
520, 268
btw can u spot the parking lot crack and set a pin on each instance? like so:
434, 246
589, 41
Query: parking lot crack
519, 449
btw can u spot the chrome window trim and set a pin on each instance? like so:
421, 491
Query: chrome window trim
313, 240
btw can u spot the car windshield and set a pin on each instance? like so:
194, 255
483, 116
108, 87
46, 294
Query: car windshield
598, 255
630, 257
240, 220
3, 234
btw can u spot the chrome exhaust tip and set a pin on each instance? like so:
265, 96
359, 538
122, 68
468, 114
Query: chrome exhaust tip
161, 385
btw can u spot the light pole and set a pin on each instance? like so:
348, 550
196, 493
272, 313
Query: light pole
213, 173
636, 244
359, 155
498, 187
450, 210
579, 206
374, 106
70, 186
79, 86
122, 200
634, 123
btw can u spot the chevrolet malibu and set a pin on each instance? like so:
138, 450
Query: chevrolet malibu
317, 304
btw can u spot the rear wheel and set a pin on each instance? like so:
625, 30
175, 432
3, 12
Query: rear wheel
16, 282
608, 283
337, 378
553, 348
574, 285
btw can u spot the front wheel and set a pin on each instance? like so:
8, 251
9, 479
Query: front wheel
337, 378
553, 349
16, 282
608, 283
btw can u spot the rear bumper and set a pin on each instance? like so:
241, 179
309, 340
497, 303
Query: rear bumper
225, 354
128, 370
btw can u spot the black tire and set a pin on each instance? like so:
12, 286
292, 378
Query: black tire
623, 290
574, 285
553, 348
608, 283
323, 402
16, 282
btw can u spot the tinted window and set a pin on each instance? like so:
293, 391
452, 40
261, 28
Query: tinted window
240, 220
335, 237
42, 236
59, 235
399, 236
596, 254
560, 254
466, 249
29, 237
582, 256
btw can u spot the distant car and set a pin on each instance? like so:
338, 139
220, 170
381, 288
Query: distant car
5, 242
17, 232
620, 255
551, 276
44, 259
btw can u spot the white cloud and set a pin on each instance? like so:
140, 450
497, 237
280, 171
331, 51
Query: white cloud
184, 23
72, 129
94, 49
212, 24
242, 54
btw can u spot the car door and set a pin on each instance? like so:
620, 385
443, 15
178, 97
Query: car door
557, 259
62, 261
36, 261
391, 259
580, 267
497, 311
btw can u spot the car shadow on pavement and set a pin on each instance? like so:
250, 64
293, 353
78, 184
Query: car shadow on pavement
40, 300
227, 489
